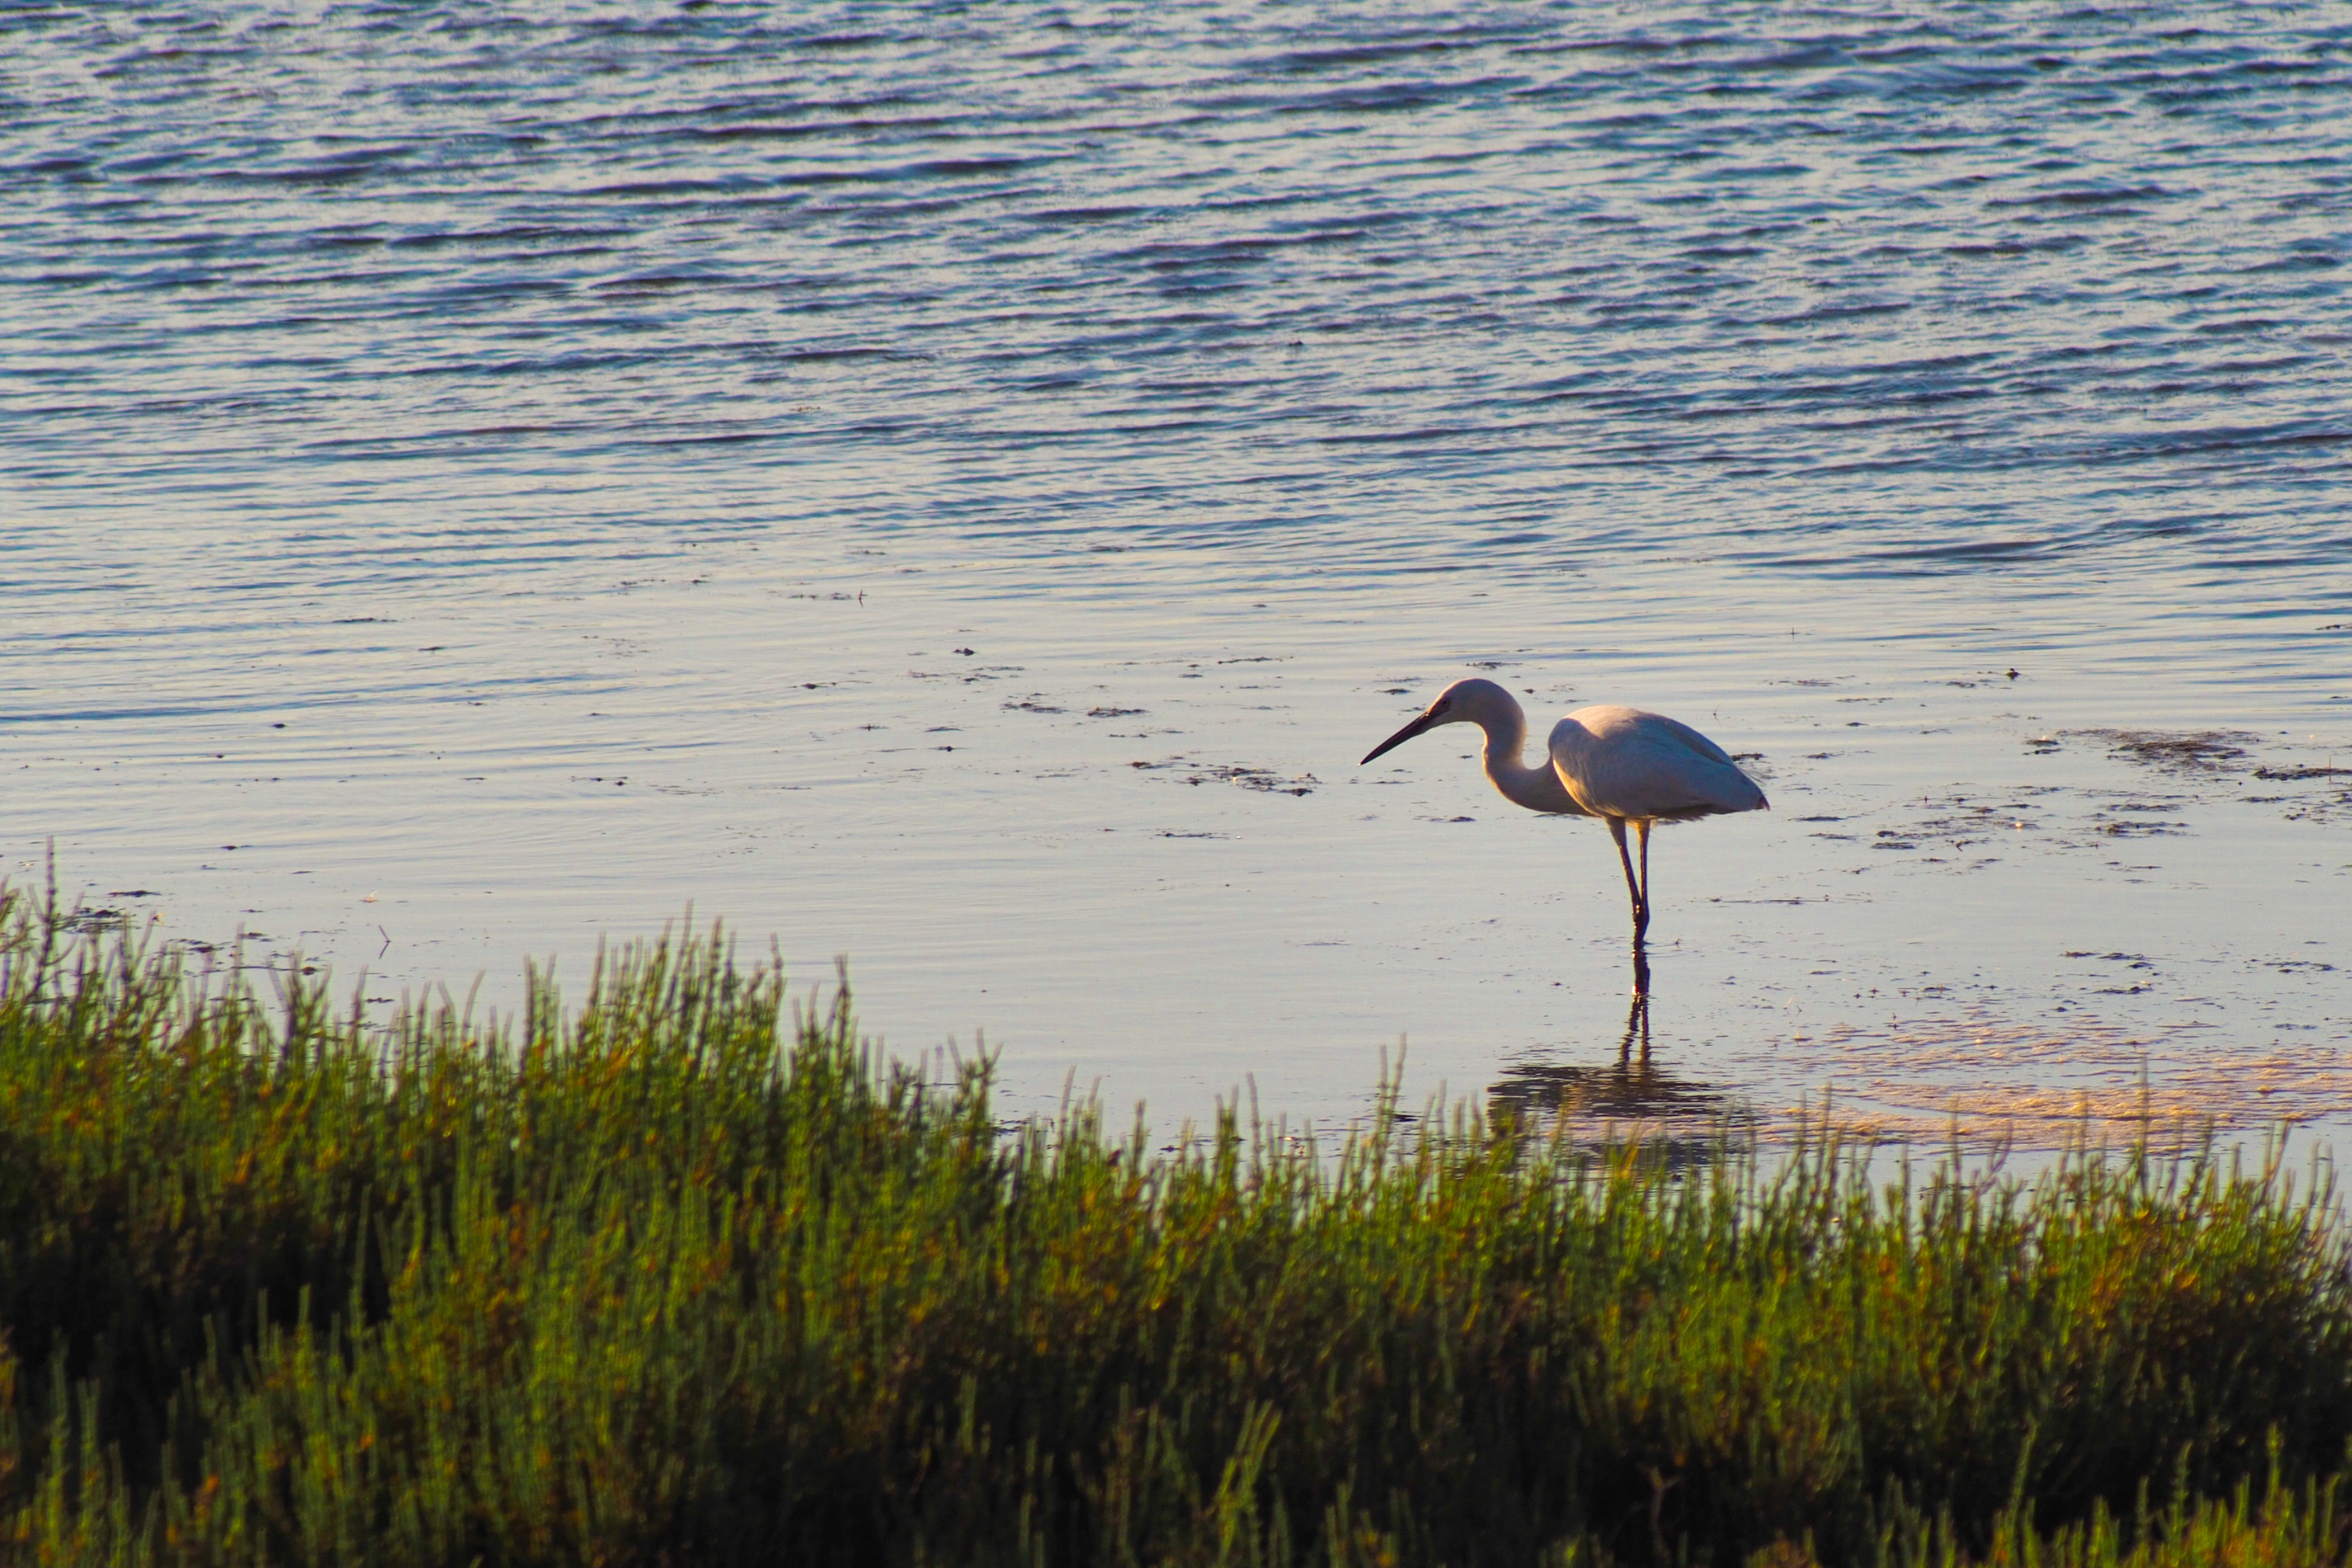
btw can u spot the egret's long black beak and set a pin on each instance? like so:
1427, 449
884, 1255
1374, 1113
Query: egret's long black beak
1399, 738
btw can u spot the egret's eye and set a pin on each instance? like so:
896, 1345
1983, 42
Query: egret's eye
1440, 705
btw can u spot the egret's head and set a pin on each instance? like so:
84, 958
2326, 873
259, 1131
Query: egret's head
1471, 701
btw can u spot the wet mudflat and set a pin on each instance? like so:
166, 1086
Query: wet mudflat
1161, 873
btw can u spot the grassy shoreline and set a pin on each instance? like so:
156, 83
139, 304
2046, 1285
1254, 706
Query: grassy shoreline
681, 1275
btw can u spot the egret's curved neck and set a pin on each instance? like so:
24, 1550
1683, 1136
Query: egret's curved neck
1537, 789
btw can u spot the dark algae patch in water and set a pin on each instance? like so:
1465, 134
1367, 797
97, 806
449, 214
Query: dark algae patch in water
685, 1274
2167, 749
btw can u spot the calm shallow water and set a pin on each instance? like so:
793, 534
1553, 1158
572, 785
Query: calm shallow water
598, 438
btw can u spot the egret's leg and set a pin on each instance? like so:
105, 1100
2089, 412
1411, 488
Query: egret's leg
1641, 914
1641, 910
1632, 888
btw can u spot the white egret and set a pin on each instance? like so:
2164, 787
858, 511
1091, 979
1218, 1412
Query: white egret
1620, 764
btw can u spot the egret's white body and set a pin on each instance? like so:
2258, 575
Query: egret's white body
1620, 764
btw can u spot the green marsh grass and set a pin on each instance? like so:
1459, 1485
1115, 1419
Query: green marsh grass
681, 1274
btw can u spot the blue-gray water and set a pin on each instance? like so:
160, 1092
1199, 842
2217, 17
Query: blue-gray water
595, 433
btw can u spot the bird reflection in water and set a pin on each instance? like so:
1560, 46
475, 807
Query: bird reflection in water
1629, 1101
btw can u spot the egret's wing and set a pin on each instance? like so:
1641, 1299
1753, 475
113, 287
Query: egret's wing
1623, 762
1658, 727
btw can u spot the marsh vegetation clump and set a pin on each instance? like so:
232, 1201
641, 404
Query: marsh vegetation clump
682, 1274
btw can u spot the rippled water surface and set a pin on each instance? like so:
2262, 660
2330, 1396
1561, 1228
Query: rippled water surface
960, 487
